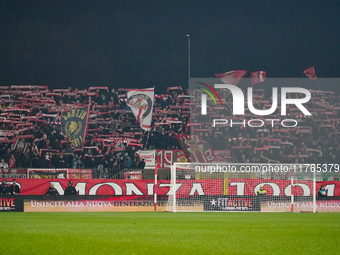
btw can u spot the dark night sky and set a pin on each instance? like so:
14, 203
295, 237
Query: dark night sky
143, 43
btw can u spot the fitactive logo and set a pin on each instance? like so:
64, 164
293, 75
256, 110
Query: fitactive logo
238, 106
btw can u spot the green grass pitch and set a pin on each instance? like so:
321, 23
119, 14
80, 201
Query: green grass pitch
170, 233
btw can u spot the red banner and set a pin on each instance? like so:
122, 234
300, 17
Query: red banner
310, 73
239, 187
257, 77
166, 158
119, 187
232, 77
197, 150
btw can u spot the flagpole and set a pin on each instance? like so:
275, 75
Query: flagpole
147, 139
189, 60
317, 83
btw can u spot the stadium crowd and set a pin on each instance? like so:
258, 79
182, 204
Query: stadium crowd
30, 132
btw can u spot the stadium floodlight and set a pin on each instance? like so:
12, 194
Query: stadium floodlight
189, 60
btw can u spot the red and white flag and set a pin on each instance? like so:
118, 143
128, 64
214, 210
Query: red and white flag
232, 77
258, 76
119, 145
310, 73
140, 102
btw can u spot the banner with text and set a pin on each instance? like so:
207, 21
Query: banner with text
235, 187
166, 158
148, 156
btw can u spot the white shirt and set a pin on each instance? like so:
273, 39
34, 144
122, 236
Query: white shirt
3, 165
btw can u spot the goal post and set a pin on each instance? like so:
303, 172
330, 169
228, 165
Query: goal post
198, 187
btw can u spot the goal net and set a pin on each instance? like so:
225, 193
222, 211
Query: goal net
197, 187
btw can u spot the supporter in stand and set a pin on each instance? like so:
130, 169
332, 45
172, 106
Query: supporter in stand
100, 165
141, 164
62, 163
14, 189
322, 191
7, 155
109, 164
70, 190
52, 191
75, 161
3, 164
128, 161
35, 158
4, 189
116, 169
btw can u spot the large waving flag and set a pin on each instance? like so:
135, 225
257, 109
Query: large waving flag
74, 125
310, 73
232, 77
140, 102
257, 77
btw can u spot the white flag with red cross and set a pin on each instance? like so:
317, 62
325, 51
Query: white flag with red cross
257, 77
140, 102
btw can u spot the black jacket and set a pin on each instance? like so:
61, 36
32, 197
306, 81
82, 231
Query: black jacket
141, 165
70, 190
4, 190
52, 192
14, 189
